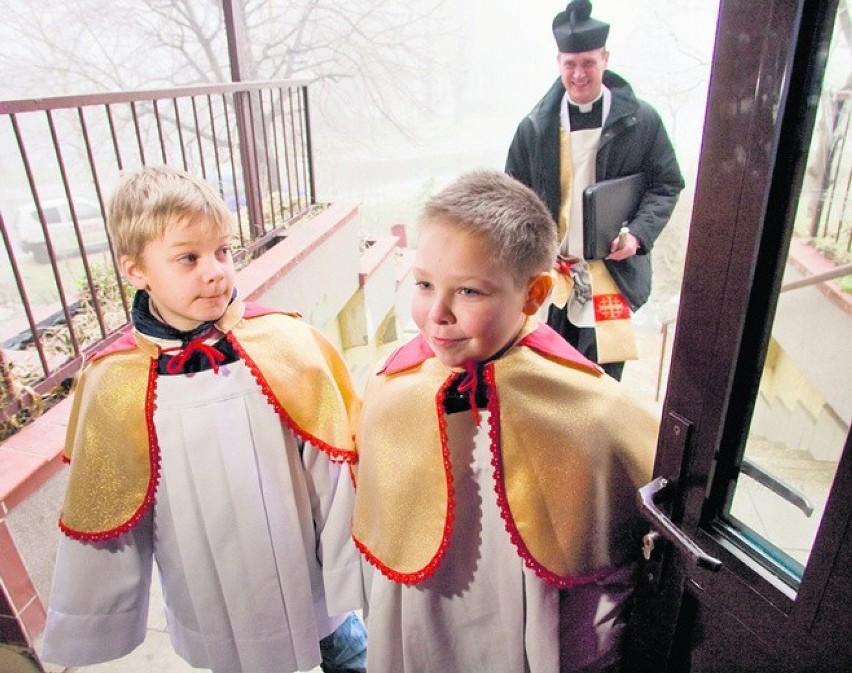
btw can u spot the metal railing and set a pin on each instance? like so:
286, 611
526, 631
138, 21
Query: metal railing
831, 170
61, 295
808, 281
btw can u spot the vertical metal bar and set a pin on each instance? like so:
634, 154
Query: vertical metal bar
258, 226
309, 149
66, 309
834, 168
198, 137
265, 139
303, 171
22, 292
296, 162
846, 106
97, 182
233, 170
160, 130
139, 142
237, 36
286, 151
215, 145
274, 126
114, 136
52, 256
179, 128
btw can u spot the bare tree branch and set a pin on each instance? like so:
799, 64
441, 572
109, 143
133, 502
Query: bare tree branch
371, 51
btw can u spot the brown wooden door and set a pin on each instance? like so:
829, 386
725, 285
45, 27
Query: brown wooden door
755, 444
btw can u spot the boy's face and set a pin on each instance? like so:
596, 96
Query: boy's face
466, 303
188, 273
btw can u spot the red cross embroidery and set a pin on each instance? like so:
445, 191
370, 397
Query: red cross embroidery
611, 307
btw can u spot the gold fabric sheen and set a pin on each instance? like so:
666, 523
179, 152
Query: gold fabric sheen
405, 505
108, 443
616, 340
563, 285
566, 184
574, 449
108, 412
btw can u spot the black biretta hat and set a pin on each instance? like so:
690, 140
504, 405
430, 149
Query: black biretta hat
575, 30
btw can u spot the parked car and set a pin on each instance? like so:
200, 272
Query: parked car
233, 199
60, 225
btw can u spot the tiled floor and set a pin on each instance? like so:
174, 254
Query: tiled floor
155, 655
775, 519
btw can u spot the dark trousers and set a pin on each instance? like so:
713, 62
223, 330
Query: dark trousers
345, 650
582, 338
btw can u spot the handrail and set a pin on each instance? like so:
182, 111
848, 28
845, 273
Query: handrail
85, 100
778, 486
836, 272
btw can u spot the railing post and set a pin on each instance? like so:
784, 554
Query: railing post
235, 29
308, 145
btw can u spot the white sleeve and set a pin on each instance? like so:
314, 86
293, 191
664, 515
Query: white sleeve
332, 499
98, 606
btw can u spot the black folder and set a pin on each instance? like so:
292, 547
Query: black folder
608, 206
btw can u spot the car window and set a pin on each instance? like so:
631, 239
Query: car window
87, 211
52, 215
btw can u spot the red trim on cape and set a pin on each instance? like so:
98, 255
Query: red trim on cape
503, 501
429, 569
543, 339
549, 343
154, 467
127, 342
336, 454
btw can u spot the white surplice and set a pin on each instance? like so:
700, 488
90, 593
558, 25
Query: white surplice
483, 609
250, 533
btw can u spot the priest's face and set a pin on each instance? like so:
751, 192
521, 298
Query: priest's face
466, 303
582, 74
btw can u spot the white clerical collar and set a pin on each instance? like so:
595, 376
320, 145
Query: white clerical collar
584, 107
565, 117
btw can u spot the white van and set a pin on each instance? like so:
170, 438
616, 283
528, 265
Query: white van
60, 225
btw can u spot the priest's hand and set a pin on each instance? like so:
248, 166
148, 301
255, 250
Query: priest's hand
623, 246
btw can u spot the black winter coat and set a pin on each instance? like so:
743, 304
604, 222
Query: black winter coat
633, 140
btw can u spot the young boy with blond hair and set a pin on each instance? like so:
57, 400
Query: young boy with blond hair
498, 467
215, 440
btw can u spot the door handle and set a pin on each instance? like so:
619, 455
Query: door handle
648, 496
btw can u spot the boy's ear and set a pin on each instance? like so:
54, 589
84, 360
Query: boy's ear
537, 291
131, 269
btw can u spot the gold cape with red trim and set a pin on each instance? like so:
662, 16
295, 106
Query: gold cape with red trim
111, 439
569, 447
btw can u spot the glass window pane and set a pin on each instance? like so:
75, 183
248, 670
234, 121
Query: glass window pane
804, 407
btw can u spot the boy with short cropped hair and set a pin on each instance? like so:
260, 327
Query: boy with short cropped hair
214, 439
498, 467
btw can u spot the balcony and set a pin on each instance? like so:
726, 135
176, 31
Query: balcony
63, 297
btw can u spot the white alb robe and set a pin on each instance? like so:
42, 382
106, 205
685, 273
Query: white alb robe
245, 532
483, 609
